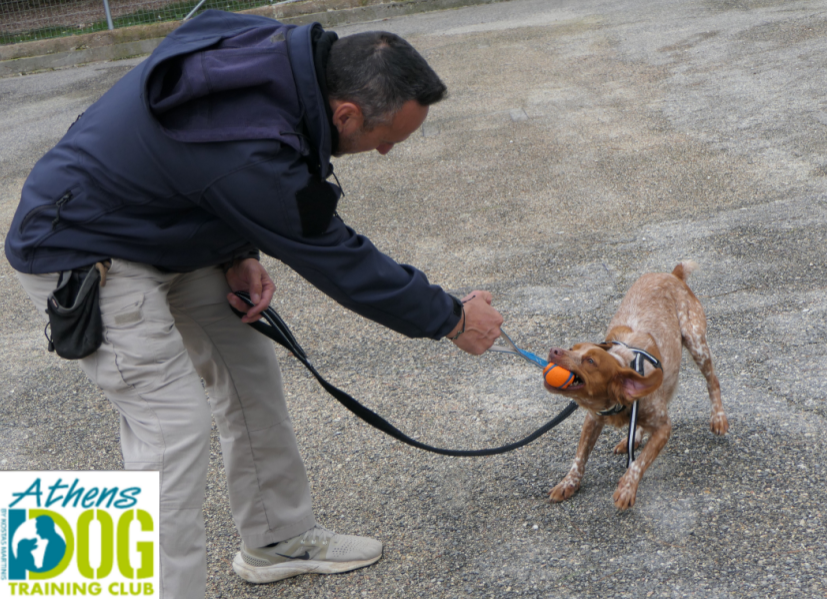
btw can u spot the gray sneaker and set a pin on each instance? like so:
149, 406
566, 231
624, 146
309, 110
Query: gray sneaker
318, 551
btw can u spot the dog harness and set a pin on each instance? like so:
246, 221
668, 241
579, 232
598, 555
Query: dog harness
637, 366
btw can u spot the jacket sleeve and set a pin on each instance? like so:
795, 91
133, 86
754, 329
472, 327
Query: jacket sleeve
261, 201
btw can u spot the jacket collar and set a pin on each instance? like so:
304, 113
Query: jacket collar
311, 97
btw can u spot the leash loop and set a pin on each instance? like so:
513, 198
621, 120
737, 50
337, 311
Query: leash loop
275, 328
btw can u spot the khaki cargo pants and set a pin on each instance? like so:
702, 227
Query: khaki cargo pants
164, 333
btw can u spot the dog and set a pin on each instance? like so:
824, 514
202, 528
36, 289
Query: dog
658, 316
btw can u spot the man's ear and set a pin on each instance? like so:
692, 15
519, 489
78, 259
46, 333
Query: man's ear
627, 386
347, 116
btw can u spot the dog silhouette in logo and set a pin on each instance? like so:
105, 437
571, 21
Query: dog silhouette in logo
56, 547
40, 547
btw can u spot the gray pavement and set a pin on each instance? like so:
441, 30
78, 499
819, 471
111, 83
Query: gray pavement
583, 144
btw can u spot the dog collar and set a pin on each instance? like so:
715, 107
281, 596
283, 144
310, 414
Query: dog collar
615, 409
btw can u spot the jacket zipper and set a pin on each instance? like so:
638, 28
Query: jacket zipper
59, 204
35, 211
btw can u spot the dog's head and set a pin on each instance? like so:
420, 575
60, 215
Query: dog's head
602, 376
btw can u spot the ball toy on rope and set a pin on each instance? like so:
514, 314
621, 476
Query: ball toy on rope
557, 376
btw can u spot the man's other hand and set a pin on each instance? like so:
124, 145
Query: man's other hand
249, 275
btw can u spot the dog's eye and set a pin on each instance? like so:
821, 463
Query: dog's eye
590, 361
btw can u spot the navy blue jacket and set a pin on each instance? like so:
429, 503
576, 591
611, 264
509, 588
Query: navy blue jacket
219, 143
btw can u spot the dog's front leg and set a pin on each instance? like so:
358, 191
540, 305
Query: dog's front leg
567, 487
624, 496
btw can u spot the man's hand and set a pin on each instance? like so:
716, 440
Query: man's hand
482, 324
249, 275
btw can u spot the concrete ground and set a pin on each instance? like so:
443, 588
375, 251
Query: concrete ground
583, 144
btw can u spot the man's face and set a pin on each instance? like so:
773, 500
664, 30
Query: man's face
353, 138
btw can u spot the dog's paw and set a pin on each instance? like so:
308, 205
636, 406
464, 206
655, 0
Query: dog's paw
564, 490
625, 494
719, 423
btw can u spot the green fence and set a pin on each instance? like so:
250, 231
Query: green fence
28, 20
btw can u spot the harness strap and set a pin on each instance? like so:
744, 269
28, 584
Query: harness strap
640, 355
637, 366
276, 329
630, 440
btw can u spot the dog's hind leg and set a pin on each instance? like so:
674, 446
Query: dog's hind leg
623, 446
693, 333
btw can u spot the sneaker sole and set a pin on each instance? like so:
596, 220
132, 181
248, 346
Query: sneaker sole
263, 574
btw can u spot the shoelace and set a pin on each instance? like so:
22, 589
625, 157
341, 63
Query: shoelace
317, 533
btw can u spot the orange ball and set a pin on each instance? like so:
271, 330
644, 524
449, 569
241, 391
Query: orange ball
557, 376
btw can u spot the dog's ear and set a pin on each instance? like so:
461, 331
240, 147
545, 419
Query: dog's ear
627, 386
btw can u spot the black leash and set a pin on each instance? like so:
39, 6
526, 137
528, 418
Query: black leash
275, 328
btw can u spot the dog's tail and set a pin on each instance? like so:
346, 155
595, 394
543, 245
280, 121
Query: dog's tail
684, 269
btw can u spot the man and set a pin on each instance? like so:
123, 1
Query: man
214, 148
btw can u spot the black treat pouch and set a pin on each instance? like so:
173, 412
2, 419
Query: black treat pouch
75, 315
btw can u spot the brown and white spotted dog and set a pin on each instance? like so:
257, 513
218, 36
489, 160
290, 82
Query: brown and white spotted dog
658, 315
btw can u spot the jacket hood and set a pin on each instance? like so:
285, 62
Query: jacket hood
217, 78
